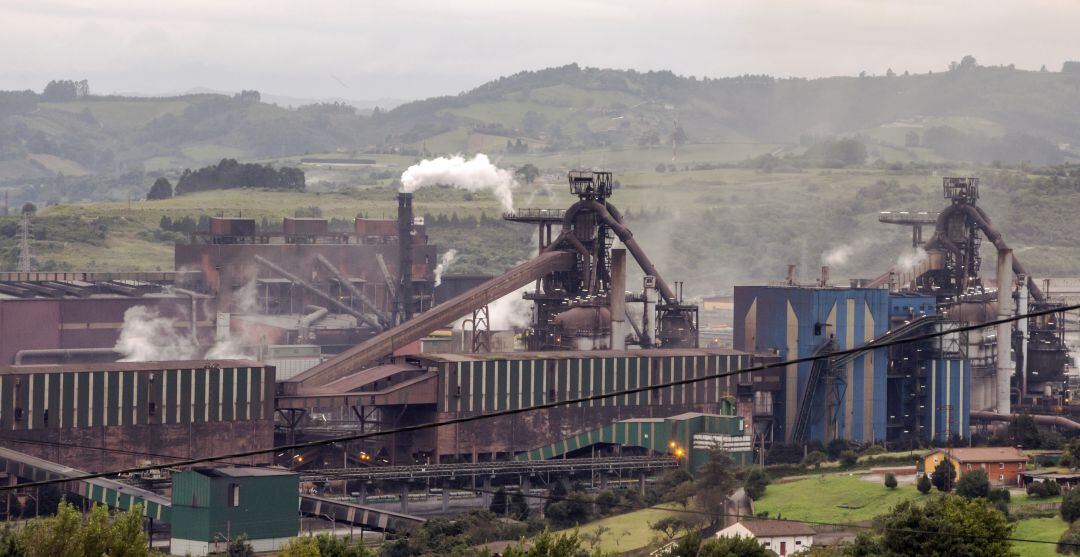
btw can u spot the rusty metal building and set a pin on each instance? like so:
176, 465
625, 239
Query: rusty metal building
114, 415
64, 311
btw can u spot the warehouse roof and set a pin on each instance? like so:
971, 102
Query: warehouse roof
243, 472
130, 366
564, 354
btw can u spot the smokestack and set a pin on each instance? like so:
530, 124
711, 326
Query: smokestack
824, 276
1022, 330
617, 299
791, 275
1004, 330
405, 228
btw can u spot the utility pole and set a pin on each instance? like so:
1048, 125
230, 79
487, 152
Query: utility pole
25, 265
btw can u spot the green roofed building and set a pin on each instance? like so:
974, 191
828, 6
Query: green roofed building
212, 505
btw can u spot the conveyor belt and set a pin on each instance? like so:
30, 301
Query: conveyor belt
384, 344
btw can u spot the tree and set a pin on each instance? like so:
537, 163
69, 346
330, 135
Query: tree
756, 481
162, 189
1069, 542
848, 459
333, 546
670, 526
239, 547
1070, 506
733, 547
548, 544
923, 485
519, 507
968, 63
300, 547
68, 533
890, 73
890, 480
499, 502
944, 475
947, 525
715, 483
527, 173
29, 208
974, 484
814, 458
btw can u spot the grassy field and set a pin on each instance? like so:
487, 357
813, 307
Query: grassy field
1048, 529
625, 532
831, 498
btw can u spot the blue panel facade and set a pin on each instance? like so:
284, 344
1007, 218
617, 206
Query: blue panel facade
796, 322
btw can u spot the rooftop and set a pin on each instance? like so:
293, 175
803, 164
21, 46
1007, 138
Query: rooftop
986, 454
773, 528
566, 354
129, 366
243, 472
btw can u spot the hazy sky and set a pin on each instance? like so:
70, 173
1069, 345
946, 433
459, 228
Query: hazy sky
367, 49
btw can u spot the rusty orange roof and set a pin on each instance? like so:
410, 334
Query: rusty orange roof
986, 454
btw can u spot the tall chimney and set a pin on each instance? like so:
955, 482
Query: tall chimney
824, 275
405, 231
791, 275
1004, 330
617, 299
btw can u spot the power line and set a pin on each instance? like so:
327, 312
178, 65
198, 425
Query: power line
556, 404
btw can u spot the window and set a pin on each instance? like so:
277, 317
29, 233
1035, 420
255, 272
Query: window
798, 542
1001, 477
1001, 466
234, 495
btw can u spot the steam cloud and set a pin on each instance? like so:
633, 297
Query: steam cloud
840, 255
444, 263
511, 311
148, 337
908, 260
475, 174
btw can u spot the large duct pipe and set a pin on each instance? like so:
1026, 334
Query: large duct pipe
982, 220
344, 280
627, 238
617, 299
369, 319
65, 353
1004, 330
1022, 329
1060, 421
317, 313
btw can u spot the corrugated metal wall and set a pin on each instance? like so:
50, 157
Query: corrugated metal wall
86, 399
493, 385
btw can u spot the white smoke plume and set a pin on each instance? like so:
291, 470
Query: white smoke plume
148, 337
475, 174
444, 263
909, 259
511, 311
840, 255
245, 298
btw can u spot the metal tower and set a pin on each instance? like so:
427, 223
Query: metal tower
25, 264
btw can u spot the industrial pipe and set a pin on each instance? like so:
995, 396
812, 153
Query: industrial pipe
1044, 419
627, 238
1004, 330
368, 305
982, 220
318, 293
65, 353
617, 299
317, 313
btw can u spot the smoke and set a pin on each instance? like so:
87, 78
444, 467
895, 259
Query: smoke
841, 255
148, 337
246, 299
444, 263
475, 174
909, 259
511, 311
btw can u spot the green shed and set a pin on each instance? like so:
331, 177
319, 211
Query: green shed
212, 505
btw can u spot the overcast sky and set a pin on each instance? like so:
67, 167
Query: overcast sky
370, 49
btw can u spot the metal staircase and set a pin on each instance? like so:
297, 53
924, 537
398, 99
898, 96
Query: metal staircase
818, 371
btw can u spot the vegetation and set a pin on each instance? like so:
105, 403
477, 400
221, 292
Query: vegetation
1043, 489
1070, 506
692, 546
229, 174
924, 485
457, 536
945, 525
974, 484
944, 477
890, 480
162, 189
757, 480
830, 498
68, 532
814, 459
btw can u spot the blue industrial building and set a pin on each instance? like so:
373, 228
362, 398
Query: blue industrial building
915, 390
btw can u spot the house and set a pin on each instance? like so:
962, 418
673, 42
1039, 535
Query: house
1003, 465
782, 537
213, 505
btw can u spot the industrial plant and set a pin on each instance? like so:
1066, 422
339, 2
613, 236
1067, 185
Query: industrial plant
296, 339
